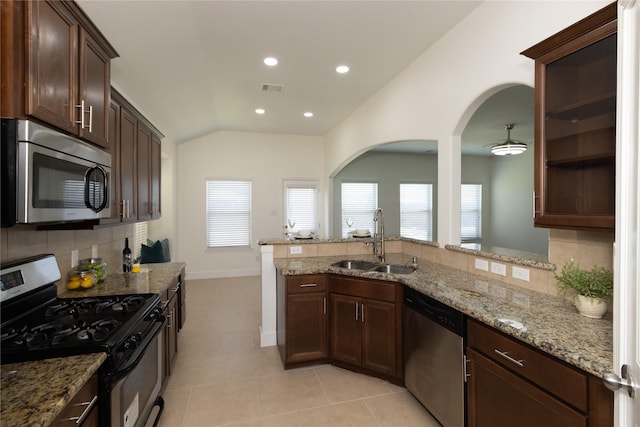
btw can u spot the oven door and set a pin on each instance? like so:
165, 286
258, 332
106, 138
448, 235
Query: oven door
134, 395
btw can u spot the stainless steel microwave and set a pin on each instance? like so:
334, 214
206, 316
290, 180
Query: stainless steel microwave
49, 177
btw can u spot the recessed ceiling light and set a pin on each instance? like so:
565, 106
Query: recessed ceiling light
270, 61
260, 111
308, 114
342, 69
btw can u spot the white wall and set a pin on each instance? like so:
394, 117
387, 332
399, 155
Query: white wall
434, 97
266, 159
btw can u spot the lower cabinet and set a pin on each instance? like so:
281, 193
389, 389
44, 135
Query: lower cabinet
174, 303
510, 384
302, 318
365, 326
82, 410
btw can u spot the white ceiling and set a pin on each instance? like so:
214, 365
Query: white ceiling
193, 67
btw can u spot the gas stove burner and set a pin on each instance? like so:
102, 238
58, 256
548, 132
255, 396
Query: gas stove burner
68, 331
63, 308
99, 331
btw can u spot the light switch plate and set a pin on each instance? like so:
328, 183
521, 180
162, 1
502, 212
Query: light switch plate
520, 273
482, 264
295, 250
498, 268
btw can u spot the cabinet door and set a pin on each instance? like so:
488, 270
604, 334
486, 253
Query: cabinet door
378, 336
346, 329
52, 72
144, 172
498, 398
155, 176
94, 90
114, 145
128, 203
170, 335
306, 327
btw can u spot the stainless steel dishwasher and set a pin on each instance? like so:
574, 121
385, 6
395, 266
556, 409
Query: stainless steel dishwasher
434, 357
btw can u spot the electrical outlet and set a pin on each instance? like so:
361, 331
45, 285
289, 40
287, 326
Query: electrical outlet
482, 264
295, 250
498, 268
74, 258
520, 273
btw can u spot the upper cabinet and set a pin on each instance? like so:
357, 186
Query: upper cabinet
575, 125
65, 79
136, 151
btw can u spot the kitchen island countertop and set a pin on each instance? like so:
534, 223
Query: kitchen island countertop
550, 323
35, 393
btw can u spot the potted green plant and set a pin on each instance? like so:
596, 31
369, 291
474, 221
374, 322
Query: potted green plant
593, 287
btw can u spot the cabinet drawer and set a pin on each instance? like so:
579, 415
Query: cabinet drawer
551, 375
372, 289
80, 408
307, 283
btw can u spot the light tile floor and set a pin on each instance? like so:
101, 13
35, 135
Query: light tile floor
223, 377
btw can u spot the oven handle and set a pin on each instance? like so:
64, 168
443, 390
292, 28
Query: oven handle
131, 365
160, 404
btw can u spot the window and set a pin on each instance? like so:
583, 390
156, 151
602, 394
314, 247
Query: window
301, 204
228, 213
139, 237
471, 212
359, 202
416, 211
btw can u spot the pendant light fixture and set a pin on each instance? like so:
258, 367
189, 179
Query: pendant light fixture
509, 147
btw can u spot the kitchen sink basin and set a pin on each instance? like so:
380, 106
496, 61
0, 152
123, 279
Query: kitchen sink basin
354, 265
394, 269
373, 267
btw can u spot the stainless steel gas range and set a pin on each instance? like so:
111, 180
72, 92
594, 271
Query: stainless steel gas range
36, 324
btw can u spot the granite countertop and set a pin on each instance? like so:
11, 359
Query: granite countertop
551, 324
152, 279
34, 393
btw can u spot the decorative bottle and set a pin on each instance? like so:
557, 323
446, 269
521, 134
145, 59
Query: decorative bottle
126, 257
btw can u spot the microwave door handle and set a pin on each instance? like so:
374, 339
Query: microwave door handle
89, 195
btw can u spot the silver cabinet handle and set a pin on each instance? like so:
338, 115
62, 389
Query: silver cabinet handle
309, 285
362, 311
509, 358
356, 311
81, 121
89, 405
324, 305
90, 118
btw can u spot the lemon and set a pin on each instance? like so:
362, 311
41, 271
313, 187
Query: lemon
73, 284
87, 282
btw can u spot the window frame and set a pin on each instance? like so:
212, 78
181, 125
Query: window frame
301, 183
478, 219
368, 223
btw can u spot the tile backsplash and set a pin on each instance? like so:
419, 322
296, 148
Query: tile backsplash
21, 242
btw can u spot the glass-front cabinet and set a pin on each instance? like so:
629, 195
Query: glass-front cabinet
575, 125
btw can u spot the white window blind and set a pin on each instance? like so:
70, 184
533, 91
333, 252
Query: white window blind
141, 232
359, 201
228, 213
416, 211
301, 200
471, 212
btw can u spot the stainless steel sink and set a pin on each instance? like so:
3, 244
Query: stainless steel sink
373, 267
354, 265
394, 269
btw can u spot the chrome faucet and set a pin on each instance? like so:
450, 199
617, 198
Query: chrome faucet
378, 235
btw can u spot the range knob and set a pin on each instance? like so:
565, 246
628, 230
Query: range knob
133, 341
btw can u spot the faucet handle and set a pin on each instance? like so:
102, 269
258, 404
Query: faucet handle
414, 262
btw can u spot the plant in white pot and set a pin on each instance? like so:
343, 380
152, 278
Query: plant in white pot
593, 287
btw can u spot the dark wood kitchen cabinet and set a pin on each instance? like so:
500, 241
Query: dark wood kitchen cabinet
174, 302
510, 383
136, 158
58, 68
302, 319
365, 326
575, 125
82, 410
